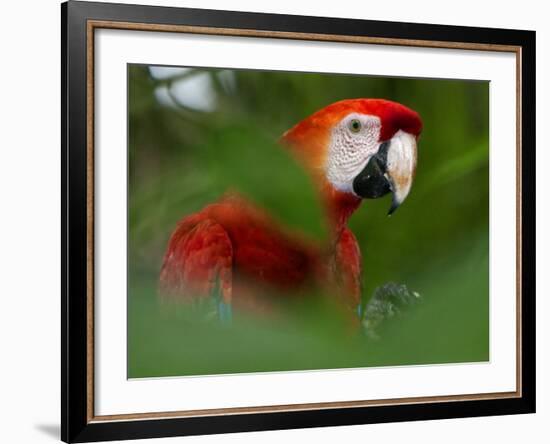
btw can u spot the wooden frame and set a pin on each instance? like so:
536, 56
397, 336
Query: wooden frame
79, 21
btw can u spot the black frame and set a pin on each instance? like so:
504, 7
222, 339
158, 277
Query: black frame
75, 426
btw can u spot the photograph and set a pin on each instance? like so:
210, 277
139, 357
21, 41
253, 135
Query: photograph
285, 221
275, 221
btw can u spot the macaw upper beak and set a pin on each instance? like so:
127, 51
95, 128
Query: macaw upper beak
392, 168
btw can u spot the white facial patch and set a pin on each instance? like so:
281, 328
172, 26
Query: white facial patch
354, 140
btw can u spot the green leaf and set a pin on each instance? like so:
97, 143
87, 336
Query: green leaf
246, 160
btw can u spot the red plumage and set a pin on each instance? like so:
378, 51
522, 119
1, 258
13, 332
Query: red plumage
236, 250
236, 246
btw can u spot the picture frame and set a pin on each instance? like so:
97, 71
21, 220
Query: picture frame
80, 23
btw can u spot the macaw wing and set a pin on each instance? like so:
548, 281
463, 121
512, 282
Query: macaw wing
198, 264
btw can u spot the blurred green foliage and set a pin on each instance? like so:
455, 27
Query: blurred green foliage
181, 158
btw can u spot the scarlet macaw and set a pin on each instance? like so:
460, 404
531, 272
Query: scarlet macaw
233, 250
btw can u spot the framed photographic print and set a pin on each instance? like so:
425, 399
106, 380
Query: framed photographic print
276, 221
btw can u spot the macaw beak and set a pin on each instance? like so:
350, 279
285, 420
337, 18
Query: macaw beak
391, 169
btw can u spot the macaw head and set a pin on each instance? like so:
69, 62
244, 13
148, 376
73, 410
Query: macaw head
360, 148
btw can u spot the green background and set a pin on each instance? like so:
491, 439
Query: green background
181, 158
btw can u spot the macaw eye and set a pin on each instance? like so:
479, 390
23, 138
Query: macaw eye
355, 126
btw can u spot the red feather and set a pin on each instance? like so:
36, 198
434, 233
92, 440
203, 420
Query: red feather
238, 245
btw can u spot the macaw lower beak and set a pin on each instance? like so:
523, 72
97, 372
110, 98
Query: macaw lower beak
392, 168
